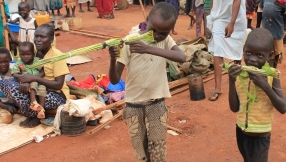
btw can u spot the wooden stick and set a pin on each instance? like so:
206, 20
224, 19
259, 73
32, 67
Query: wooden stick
143, 9
4, 25
175, 129
108, 107
97, 33
89, 35
153, 1
96, 129
186, 87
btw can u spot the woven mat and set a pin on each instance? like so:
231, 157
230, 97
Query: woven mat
12, 136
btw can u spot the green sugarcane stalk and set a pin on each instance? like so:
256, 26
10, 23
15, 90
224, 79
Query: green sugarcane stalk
266, 70
148, 37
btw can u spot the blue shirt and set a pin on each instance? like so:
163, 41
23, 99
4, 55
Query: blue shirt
272, 18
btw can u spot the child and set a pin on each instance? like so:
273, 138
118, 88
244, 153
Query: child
7, 107
275, 26
56, 5
254, 120
146, 86
175, 3
27, 24
227, 23
21, 67
70, 4
199, 16
88, 5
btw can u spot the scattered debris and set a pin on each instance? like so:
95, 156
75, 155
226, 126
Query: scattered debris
182, 121
107, 127
38, 138
172, 132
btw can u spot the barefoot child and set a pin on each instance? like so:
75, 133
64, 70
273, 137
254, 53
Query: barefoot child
27, 24
21, 67
70, 4
56, 5
254, 98
7, 107
145, 113
227, 23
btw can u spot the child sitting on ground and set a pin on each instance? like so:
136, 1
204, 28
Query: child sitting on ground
254, 98
7, 107
146, 85
21, 67
27, 24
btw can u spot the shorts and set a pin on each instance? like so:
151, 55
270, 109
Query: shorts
252, 149
147, 127
278, 49
40, 89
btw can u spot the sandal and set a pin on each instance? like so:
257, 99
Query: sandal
35, 106
214, 96
41, 114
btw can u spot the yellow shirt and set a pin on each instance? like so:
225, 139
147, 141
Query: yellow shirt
146, 73
56, 69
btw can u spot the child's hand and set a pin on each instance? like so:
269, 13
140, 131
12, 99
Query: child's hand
208, 33
114, 52
138, 47
233, 72
258, 79
229, 30
24, 88
27, 78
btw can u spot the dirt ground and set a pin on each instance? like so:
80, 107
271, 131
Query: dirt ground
208, 135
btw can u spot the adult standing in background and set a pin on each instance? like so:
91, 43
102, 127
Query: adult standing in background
105, 8
207, 11
70, 4
40, 5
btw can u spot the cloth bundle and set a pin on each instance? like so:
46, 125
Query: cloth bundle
198, 60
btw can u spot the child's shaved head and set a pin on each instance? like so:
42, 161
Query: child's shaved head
167, 11
261, 36
23, 4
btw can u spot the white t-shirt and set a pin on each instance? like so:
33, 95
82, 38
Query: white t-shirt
146, 73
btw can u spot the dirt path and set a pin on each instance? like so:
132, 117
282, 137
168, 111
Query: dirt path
209, 133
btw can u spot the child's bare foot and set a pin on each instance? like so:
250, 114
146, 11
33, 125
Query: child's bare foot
33, 123
90, 10
174, 32
73, 15
25, 122
80, 10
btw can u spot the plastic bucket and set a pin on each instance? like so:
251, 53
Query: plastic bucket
14, 27
75, 23
196, 87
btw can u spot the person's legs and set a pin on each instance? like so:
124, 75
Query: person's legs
240, 142
73, 11
88, 6
278, 55
59, 13
134, 117
217, 73
156, 124
259, 19
80, 8
199, 16
68, 12
249, 21
53, 13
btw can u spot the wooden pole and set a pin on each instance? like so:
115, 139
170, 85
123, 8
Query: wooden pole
153, 1
97, 33
4, 25
143, 9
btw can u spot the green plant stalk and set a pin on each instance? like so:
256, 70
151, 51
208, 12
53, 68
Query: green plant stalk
265, 71
148, 37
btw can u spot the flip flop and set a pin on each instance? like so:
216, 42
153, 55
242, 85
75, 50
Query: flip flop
214, 96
